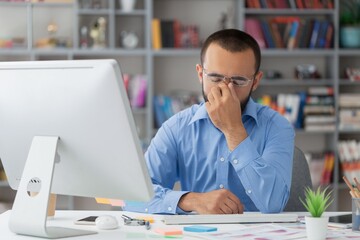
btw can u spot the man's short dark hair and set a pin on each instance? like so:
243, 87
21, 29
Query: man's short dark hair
233, 40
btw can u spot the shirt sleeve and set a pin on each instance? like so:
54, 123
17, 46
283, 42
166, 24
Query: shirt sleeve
161, 159
266, 177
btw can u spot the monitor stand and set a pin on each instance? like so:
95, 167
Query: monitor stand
29, 213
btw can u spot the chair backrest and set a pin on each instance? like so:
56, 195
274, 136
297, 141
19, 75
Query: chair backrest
300, 179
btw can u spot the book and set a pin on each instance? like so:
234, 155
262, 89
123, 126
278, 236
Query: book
314, 34
167, 33
267, 34
316, 162
321, 40
253, 27
292, 35
329, 36
328, 168
156, 34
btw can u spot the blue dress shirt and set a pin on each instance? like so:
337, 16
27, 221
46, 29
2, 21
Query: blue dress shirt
188, 148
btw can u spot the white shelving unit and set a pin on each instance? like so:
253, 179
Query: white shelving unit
169, 70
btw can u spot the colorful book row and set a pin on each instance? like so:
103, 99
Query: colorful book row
173, 34
291, 32
293, 4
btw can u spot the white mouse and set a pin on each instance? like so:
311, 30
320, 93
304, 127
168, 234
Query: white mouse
106, 222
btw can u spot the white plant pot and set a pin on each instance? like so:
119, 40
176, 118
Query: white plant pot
316, 228
127, 5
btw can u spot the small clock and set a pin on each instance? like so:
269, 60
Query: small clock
129, 39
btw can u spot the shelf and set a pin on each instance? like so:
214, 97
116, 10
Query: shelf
289, 11
304, 132
110, 52
51, 51
176, 52
37, 4
349, 131
40, 4
349, 52
347, 82
94, 11
14, 51
298, 52
264, 52
136, 12
296, 82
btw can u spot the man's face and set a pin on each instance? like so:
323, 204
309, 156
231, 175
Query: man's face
220, 62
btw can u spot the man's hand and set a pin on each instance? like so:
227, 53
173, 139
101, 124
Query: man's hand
215, 202
224, 110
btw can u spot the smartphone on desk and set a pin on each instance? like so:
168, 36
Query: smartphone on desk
341, 221
86, 221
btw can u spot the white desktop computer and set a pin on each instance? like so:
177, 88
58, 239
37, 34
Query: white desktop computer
66, 127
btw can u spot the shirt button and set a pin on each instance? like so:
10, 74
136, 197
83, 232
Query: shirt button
169, 209
146, 210
235, 161
221, 186
249, 191
222, 159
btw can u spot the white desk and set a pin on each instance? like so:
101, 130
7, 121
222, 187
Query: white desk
67, 218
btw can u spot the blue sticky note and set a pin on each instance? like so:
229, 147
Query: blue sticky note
198, 228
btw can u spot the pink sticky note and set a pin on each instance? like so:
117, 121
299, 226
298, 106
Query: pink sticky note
168, 231
117, 202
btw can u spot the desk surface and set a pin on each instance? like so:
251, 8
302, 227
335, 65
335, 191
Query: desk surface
67, 218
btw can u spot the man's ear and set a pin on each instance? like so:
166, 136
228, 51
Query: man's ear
199, 72
257, 80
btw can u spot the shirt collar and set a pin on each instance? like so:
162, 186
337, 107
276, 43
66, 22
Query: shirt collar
250, 110
200, 113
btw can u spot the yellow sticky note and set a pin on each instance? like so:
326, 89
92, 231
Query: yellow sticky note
146, 218
102, 200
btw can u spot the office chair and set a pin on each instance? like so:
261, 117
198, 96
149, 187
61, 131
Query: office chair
300, 179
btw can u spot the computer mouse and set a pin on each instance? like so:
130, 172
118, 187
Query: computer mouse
106, 222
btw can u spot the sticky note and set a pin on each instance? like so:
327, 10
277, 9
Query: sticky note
117, 202
168, 231
198, 228
102, 200
146, 218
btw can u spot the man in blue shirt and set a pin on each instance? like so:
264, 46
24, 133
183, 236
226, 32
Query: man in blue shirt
229, 153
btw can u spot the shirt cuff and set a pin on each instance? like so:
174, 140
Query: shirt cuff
248, 154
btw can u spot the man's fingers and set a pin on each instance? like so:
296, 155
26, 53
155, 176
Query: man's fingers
226, 209
225, 91
232, 91
236, 202
211, 98
216, 91
232, 205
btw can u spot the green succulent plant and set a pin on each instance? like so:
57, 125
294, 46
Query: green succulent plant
350, 12
316, 202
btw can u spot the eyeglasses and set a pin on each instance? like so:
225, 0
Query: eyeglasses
238, 81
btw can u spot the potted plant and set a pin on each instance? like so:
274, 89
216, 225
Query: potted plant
350, 23
316, 202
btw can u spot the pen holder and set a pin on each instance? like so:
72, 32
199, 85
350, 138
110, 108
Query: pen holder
356, 214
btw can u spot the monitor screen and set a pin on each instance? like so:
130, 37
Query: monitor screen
84, 103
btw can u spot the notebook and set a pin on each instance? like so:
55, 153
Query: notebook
249, 217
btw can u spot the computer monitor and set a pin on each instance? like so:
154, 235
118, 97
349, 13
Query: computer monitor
66, 127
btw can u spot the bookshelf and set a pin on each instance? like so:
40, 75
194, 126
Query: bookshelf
173, 69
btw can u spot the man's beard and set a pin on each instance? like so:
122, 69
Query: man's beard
243, 103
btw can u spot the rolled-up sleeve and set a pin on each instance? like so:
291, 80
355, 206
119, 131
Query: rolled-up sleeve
266, 177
